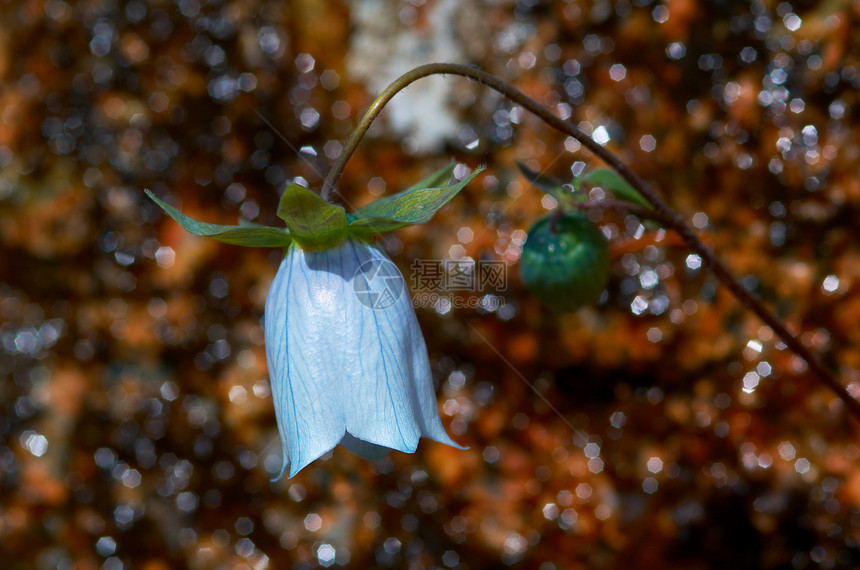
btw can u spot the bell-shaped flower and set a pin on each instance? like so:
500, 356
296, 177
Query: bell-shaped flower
347, 359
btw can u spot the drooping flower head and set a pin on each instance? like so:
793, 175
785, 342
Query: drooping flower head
347, 360
346, 357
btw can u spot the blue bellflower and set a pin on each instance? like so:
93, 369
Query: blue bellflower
347, 359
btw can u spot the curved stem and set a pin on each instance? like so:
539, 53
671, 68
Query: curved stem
668, 216
622, 206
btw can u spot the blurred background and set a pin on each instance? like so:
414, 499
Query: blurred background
667, 426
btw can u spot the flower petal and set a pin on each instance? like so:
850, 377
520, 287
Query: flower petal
305, 363
347, 359
393, 401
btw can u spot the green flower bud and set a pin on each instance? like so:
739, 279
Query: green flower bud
565, 261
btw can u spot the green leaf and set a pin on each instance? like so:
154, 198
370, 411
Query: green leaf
251, 235
313, 222
549, 184
610, 180
415, 205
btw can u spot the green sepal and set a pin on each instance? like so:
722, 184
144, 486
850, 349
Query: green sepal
435, 179
549, 184
415, 205
247, 234
610, 180
313, 223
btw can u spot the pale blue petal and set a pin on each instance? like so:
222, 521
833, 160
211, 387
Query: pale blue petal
424, 402
393, 402
343, 372
302, 318
378, 407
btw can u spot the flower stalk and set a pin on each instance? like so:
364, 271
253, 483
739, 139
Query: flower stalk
662, 211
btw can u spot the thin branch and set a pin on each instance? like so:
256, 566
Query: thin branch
662, 210
622, 206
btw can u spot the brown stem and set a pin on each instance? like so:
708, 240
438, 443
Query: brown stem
662, 210
622, 206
